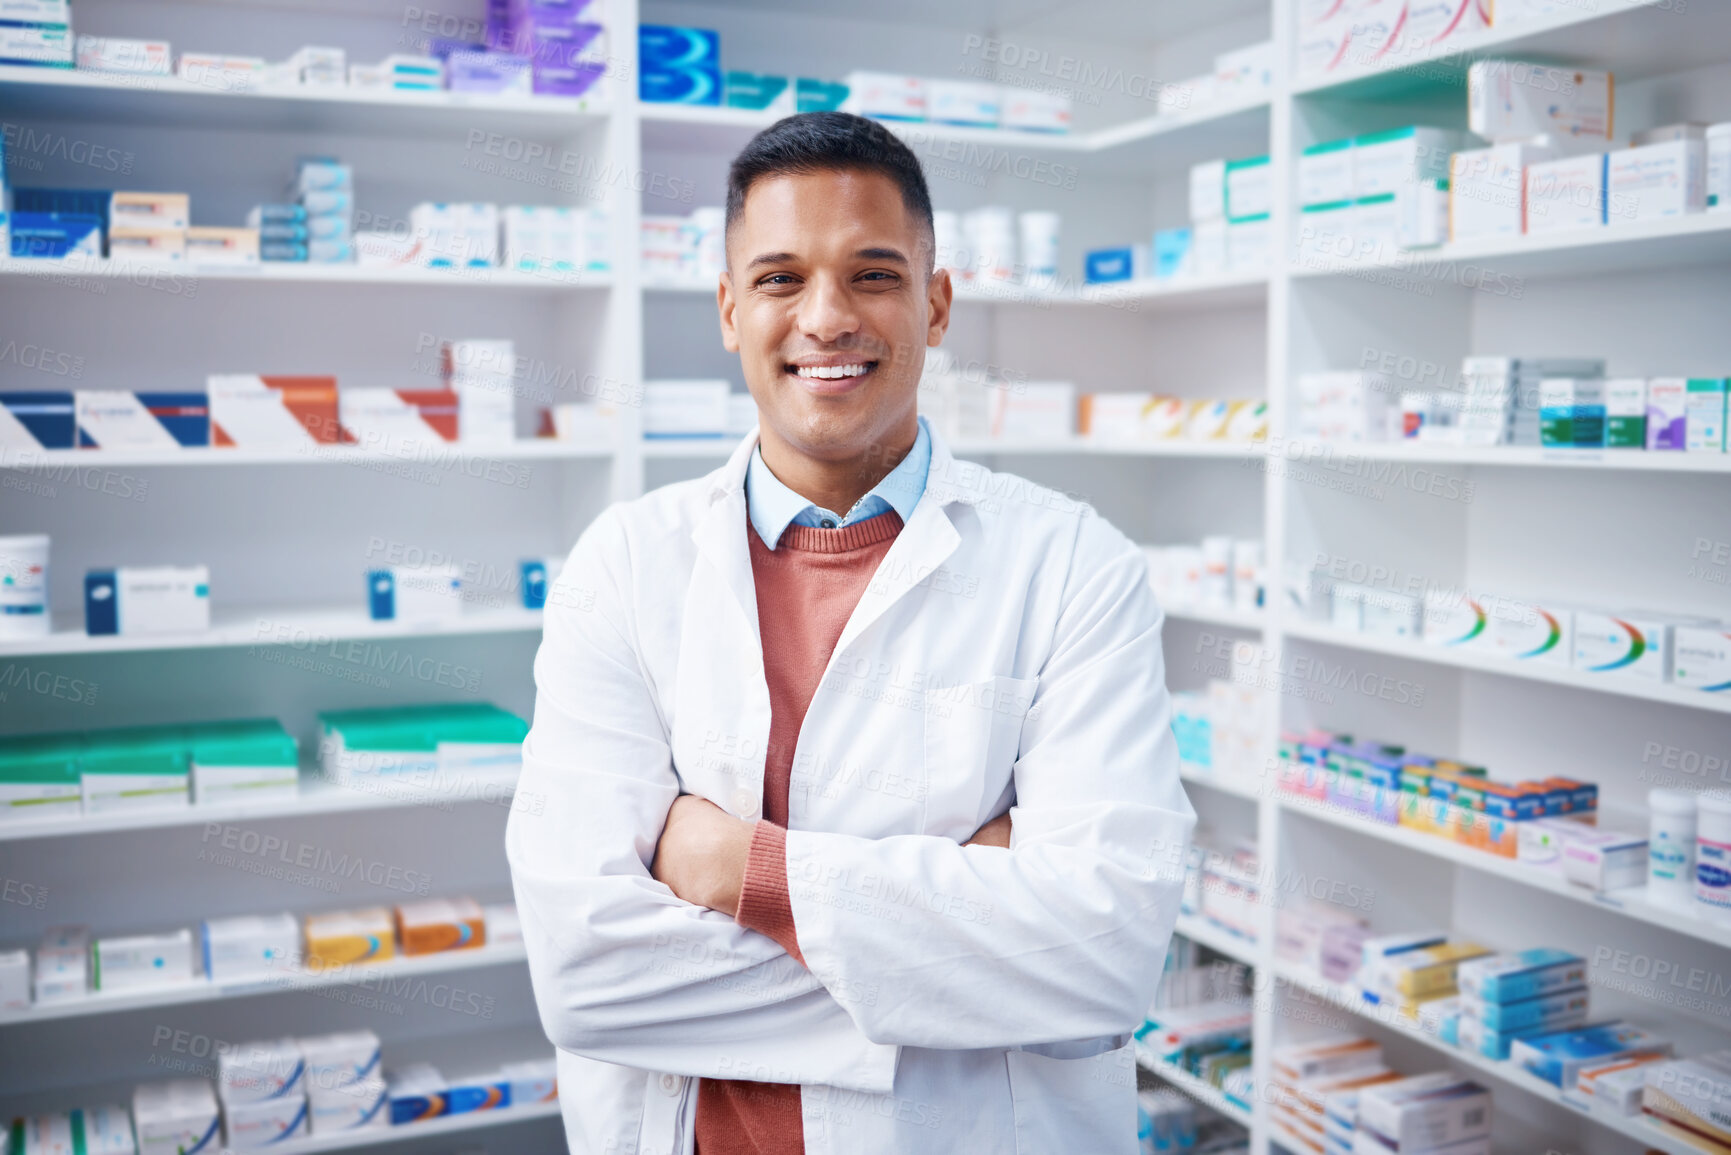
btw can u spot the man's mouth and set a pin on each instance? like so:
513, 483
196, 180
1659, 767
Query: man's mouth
832, 372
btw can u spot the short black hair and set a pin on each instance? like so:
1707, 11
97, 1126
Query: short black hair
812, 142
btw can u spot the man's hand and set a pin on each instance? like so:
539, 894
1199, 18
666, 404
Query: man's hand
702, 852
994, 833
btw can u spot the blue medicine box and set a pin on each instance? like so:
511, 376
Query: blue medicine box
50, 418
678, 65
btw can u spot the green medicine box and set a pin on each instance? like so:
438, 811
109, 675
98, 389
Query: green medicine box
39, 777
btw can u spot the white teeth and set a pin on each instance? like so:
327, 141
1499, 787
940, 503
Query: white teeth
831, 372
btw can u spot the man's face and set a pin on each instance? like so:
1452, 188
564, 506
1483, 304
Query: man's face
829, 303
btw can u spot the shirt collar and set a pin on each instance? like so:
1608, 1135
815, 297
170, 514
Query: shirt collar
772, 506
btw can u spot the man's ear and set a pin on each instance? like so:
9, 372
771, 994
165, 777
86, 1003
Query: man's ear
724, 304
940, 294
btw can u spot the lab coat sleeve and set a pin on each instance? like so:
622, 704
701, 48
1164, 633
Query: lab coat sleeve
1061, 937
623, 970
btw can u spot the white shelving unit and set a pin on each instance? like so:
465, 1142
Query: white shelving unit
1585, 526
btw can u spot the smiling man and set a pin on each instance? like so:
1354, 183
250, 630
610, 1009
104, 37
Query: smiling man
860, 823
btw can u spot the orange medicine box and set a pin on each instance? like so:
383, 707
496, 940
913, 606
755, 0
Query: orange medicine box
342, 937
435, 924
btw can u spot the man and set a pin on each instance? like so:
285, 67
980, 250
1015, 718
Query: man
862, 823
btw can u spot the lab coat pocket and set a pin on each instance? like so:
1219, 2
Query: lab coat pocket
1064, 1105
973, 735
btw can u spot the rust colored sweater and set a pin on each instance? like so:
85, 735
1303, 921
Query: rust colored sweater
807, 588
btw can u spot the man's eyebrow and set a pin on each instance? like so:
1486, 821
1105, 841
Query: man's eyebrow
770, 259
882, 255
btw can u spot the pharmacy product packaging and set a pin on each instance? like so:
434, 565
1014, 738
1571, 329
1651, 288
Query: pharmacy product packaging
885, 95
1566, 194
319, 67
531, 1081
964, 102
1425, 1111
36, 11
1667, 413
760, 91
1558, 1057
1629, 644
1249, 191
1325, 234
351, 1107
1386, 162
1422, 209
536, 576
24, 586
501, 922
679, 65
1383, 614
439, 924
1625, 413
255, 1072
415, 593
685, 408
485, 1090
456, 236
1487, 189
175, 1116
36, 44
344, 937
62, 965
1208, 190
147, 600
147, 246
1434, 24
149, 211
1511, 100
37, 420
1375, 227
1615, 1086
249, 946
115, 420
1249, 244
134, 768
399, 421
103, 1129
1604, 860
270, 412
1704, 406
142, 961
1672, 839
1685, 1099
339, 1060
109, 54
1550, 1012
1455, 618
1124, 263
1034, 110
494, 73
1325, 173
1572, 412
1701, 657
250, 1125
250, 758
14, 980
222, 246
416, 1092
1656, 181
1208, 249
221, 73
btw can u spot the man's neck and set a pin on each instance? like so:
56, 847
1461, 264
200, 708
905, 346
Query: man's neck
837, 485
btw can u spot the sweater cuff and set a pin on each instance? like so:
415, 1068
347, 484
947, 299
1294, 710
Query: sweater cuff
764, 905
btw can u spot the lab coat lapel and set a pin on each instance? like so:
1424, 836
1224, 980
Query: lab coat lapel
721, 542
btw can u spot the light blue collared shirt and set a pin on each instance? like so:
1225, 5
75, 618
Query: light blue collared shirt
772, 506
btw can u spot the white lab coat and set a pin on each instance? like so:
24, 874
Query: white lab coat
959, 999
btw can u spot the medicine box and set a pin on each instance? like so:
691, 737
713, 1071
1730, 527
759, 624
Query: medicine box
252, 759
1701, 657
1566, 194
110, 54
885, 96
222, 246
258, 1071
271, 412
537, 576
811, 95
1550, 1012
62, 965
685, 408
103, 1129
1032, 110
439, 924
37, 420
1572, 412
39, 777
1386, 162
1513, 100
1325, 173
351, 1107
1530, 632
416, 1092
1559, 1056
1426, 1111
1432, 23
175, 1116
1454, 618
1704, 415
1616, 1086
147, 246
1656, 181
147, 600
249, 946
1123, 263
678, 65
1487, 189
133, 768
1688, 1096
502, 922
14, 980
1423, 211
1249, 188
1626, 413
1667, 413
256, 1124
340, 1060
138, 962
116, 420
1604, 860
54, 235
339, 938
36, 11
38, 44
1208, 190
962, 102
415, 593
1375, 226
1628, 644
398, 421
149, 211
531, 1081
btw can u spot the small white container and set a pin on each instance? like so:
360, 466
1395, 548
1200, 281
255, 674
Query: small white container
24, 586
1671, 848
1713, 855
1039, 235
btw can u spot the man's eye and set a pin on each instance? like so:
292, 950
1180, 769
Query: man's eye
778, 279
877, 275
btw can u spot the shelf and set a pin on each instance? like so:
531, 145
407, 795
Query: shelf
1209, 1096
1102, 447
453, 455
1631, 903
407, 1132
1198, 930
1523, 671
1237, 785
73, 94
1633, 38
392, 971
1530, 457
1174, 294
1496, 265
1209, 615
298, 627
1347, 999
177, 278
710, 129
317, 796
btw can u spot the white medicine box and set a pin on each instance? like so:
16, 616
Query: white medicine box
1656, 180
415, 593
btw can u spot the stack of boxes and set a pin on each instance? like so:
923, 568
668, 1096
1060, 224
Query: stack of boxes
678, 65
1504, 997
563, 40
263, 1090
345, 1083
1317, 1086
1346, 406
1369, 196
417, 743
1229, 233
1502, 401
481, 374
37, 32
325, 193
1435, 1114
